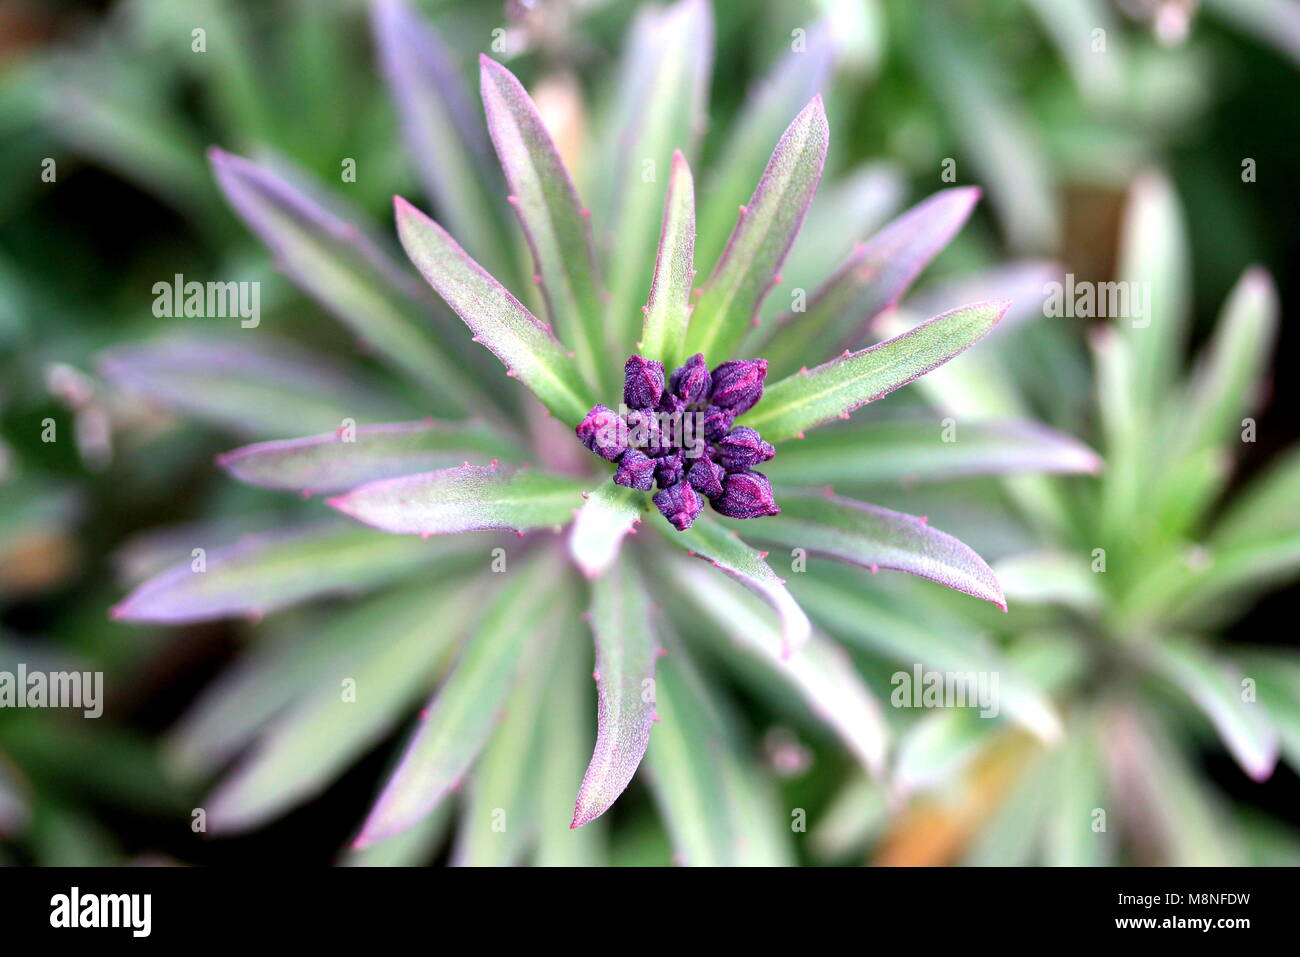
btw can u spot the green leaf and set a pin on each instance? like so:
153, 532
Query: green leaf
443, 136
658, 117
835, 389
265, 388
1216, 689
464, 499
330, 254
1265, 508
626, 652
668, 310
343, 459
610, 512
399, 641
463, 713
709, 540
553, 219
874, 537
412, 848
499, 321
910, 451
1071, 837
264, 573
768, 224
1154, 257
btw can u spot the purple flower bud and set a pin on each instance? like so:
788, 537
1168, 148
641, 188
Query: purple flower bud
717, 422
671, 404
670, 469
746, 495
643, 383
691, 382
742, 448
738, 384
603, 433
635, 470
705, 476
643, 432
679, 504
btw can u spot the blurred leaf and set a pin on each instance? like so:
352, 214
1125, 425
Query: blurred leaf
1050, 577
1217, 690
462, 715
553, 219
768, 224
337, 461
1076, 835
610, 512
873, 278
444, 137
915, 450
668, 309
660, 111
821, 672
399, 640
262, 388
330, 254
711, 541
264, 573
626, 652
1265, 508
527, 347
464, 499
410, 848
833, 390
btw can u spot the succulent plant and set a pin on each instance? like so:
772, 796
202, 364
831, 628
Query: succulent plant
493, 621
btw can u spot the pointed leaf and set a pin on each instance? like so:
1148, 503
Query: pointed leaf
464, 499
463, 713
341, 460
626, 652
835, 389
1266, 507
266, 572
875, 537
499, 321
609, 513
911, 451
398, 641
259, 389
768, 224
331, 257
558, 232
873, 279
668, 309
1216, 689
660, 112
444, 137
709, 540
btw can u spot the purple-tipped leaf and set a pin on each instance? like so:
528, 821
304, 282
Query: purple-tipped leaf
875, 537
668, 310
768, 224
346, 458
498, 320
552, 217
626, 652
464, 499
836, 388
873, 278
